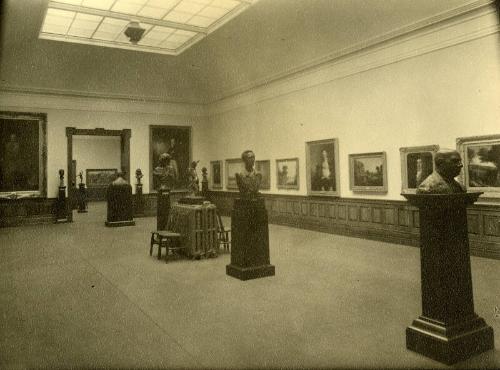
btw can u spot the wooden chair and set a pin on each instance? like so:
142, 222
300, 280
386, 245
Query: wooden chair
169, 240
223, 235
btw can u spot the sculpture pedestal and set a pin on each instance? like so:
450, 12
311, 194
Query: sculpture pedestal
82, 199
448, 329
162, 209
250, 241
61, 206
120, 209
138, 201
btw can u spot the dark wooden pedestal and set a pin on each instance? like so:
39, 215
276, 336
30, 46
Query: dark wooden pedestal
62, 206
448, 329
120, 208
250, 241
82, 199
138, 201
163, 209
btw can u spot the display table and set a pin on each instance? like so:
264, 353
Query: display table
198, 226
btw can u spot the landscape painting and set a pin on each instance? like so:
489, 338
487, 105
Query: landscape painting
287, 173
368, 172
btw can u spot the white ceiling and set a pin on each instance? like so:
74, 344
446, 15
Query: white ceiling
271, 37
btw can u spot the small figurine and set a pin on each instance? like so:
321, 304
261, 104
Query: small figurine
165, 173
193, 181
80, 175
442, 181
138, 175
204, 174
61, 178
248, 180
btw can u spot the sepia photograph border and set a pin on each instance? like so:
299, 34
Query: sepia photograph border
330, 193
404, 151
289, 187
368, 189
462, 144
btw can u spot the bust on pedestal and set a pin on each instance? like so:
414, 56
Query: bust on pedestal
204, 183
249, 224
165, 173
119, 198
448, 330
139, 199
61, 204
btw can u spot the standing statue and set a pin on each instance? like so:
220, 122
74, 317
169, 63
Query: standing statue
248, 180
442, 181
165, 173
138, 176
80, 175
61, 178
193, 180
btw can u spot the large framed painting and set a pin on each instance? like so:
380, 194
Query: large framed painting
264, 168
368, 172
481, 158
417, 163
233, 166
216, 174
23, 155
287, 173
100, 177
176, 141
322, 167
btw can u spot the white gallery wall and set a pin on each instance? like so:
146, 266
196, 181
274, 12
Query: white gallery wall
428, 88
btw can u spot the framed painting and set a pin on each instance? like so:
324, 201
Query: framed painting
100, 177
287, 173
481, 158
368, 172
23, 155
233, 166
417, 163
322, 167
264, 168
216, 174
176, 141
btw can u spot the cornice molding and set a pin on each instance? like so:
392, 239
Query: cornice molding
473, 21
36, 98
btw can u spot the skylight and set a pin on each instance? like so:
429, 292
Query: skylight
171, 26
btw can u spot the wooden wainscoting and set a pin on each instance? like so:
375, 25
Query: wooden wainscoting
27, 211
386, 220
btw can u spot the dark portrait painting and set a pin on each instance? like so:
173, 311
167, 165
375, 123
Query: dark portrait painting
176, 141
417, 163
322, 167
22, 153
216, 176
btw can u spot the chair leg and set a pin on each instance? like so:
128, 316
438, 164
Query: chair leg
151, 244
160, 242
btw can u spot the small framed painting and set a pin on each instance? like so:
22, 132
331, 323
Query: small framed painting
287, 173
216, 174
417, 163
368, 172
322, 167
264, 168
233, 166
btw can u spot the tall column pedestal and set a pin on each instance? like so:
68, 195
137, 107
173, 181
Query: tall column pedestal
163, 209
250, 241
448, 330
82, 199
62, 206
138, 201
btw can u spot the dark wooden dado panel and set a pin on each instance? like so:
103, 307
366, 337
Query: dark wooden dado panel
26, 211
385, 220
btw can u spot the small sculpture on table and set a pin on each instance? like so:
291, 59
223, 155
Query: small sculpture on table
166, 177
250, 230
61, 204
448, 330
204, 182
139, 199
82, 195
119, 198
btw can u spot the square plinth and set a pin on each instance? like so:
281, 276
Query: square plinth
119, 223
446, 344
248, 273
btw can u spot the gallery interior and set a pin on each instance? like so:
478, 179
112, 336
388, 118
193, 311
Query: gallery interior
249, 184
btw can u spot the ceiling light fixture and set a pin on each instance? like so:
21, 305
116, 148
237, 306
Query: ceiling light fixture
134, 32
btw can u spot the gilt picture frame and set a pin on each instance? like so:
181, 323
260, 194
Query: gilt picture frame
368, 172
417, 162
322, 167
216, 174
287, 173
233, 166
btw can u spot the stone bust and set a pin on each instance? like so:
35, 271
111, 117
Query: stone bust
165, 172
448, 165
248, 180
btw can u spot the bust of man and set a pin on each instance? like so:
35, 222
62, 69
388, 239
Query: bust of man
165, 172
248, 180
442, 181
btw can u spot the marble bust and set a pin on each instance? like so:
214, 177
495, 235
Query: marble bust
448, 165
248, 180
165, 173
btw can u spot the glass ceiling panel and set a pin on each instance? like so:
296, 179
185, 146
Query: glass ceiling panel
170, 26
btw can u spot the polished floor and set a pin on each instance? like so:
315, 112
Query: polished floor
81, 295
